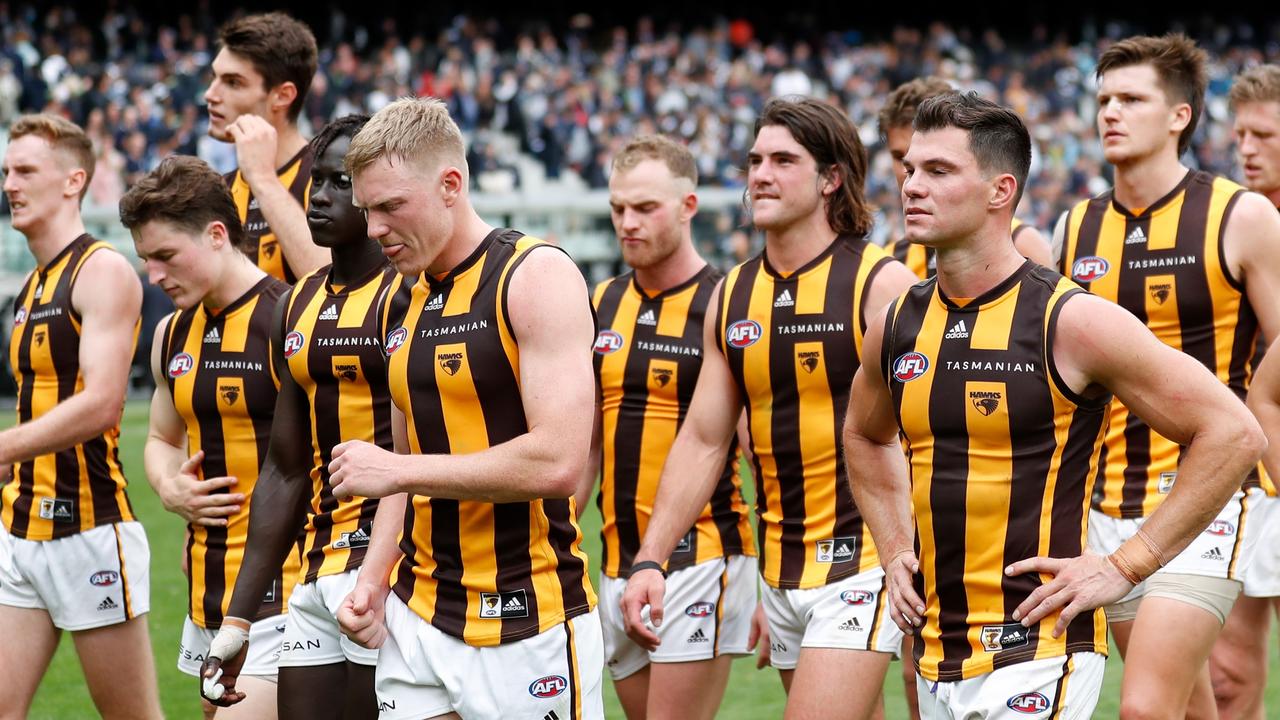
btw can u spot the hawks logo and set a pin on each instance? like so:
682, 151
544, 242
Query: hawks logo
985, 402
293, 343
910, 366
396, 338
607, 342
39, 337
450, 362
20, 316
348, 372
180, 365
229, 393
662, 376
1160, 292
1089, 268
809, 361
269, 248
742, 334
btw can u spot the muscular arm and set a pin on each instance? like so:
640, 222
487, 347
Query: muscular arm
388, 521
1264, 401
888, 283
108, 297
1251, 246
591, 472
1031, 245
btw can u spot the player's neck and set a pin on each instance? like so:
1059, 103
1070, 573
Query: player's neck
969, 268
793, 247
1143, 181
353, 261
469, 231
239, 275
683, 264
289, 143
52, 236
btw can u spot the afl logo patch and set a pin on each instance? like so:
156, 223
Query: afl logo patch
1029, 703
743, 333
856, 597
20, 316
549, 686
396, 338
180, 365
910, 366
293, 343
608, 342
1089, 268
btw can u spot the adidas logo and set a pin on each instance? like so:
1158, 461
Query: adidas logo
108, 604
513, 605
330, 313
436, 303
39, 290
698, 637
212, 337
551, 716
959, 331
1214, 554
851, 625
784, 299
1136, 237
647, 318
359, 538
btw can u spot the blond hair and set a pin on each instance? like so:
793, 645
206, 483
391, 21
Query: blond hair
1257, 84
675, 156
63, 136
417, 130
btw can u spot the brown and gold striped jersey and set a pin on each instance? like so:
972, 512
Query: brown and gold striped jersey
486, 573
224, 384
261, 244
1002, 454
793, 344
919, 259
647, 357
331, 348
1164, 264
79, 488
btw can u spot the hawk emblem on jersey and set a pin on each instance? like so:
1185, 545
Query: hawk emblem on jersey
809, 361
985, 402
450, 362
1089, 268
293, 343
180, 365
347, 371
742, 334
229, 393
662, 376
396, 338
607, 342
910, 366
1160, 292
39, 337
269, 249
20, 316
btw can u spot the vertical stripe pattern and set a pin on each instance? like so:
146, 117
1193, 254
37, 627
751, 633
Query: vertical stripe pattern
261, 244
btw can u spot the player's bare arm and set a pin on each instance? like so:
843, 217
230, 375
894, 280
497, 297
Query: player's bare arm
172, 474
1251, 245
891, 280
108, 297
1101, 347
1264, 401
547, 302
256, 146
1030, 244
697, 456
878, 477
591, 473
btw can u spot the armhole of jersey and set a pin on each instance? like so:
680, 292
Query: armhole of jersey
166, 344
1232, 280
1064, 220
866, 290
887, 338
1050, 334
75, 274
509, 272
717, 329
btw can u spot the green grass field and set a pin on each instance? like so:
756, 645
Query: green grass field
752, 693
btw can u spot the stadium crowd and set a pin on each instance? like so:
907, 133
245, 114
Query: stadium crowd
570, 96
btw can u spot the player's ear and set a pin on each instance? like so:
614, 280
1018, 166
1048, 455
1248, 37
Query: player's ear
452, 184
832, 179
1181, 117
217, 234
283, 95
1004, 190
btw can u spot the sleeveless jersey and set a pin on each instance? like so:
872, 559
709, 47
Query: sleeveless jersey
261, 244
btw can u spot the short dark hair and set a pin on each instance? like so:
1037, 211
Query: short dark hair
347, 125
828, 135
1180, 70
279, 47
900, 107
997, 136
186, 193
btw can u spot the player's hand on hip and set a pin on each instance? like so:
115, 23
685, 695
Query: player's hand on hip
255, 141
760, 636
221, 668
200, 502
899, 578
362, 615
643, 595
1079, 584
362, 469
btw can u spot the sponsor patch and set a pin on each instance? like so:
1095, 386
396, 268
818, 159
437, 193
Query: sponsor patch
396, 338
293, 343
742, 334
857, 597
1029, 703
180, 365
835, 550
1089, 268
57, 509
700, 609
607, 341
104, 578
1165, 484
549, 686
910, 366
1002, 637
502, 605
1221, 528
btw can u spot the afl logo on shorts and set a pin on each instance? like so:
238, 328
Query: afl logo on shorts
548, 687
743, 333
856, 597
293, 343
1029, 703
607, 342
1221, 528
700, 609
103, 578
180, 365
396, 338
20, 316
1089, 268
910, 366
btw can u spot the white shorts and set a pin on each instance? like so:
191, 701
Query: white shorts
849, 614
92, 579
263, 653
1058, 687
709, 608
1262, 545
311, 633
423, 672
1218, 552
